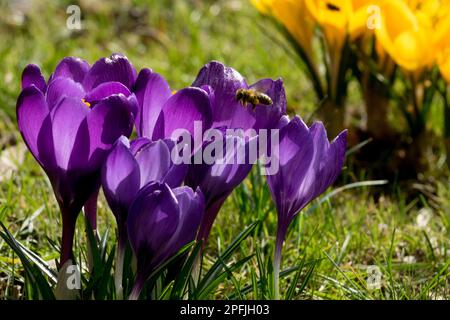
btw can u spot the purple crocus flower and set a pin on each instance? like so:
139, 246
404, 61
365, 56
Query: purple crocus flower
161, 221
130, 166
308, 165
70, 123
218, 178
161, 112
222, 84
217, 181
127, 169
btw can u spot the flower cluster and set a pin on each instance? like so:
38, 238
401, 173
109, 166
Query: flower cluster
77, 125
397, 50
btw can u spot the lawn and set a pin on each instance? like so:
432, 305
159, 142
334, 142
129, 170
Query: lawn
400, 228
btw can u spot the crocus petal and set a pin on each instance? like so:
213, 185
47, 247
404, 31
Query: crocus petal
107, 121
221, 177
138, 144
115, 68
267, 117
218, 180
151, 91
328, 158
153, 218
105, 90
296, 151
72, 68
178, 170
308, 165
225, 81
120, 177
284, 121
154, 161
60, 87
183, 109
69, 133
31, 110
133, 105
32, 76
192, 206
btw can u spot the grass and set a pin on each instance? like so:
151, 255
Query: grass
341, 238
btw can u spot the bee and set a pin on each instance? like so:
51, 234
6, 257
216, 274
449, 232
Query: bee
332, 7
253, 97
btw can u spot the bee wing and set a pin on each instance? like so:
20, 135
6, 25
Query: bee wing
263, 85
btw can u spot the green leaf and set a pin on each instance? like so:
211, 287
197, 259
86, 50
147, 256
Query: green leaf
264, 282
104, 244
283, 274
214, 283
182, 280
40, 263
291, 290
100, 276
101, 292
344, 188
169, 261
254, 285
37, 284
216, 268
356, 290
94, 248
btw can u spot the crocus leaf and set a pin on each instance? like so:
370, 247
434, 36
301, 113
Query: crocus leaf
182, 280
98, 264
254, 285
308, 276
217, 266
94, 249
104, 244
101, 292
168, 262
233, 278
262, 271
336, 191
217, 280
284, 273
291, 290
39, 284
41, 264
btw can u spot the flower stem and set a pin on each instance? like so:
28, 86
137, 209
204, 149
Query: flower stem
208, 219
90, 210
281, 233
197, 266
69, 220
118, 272
138, 285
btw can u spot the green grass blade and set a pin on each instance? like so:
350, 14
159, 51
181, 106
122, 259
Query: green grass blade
182, 280
216, 268
39, 284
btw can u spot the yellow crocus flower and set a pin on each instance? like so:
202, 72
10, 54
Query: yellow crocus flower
292, 14
405, 35
359, 16
263, 6
344, 17
442, 42
444, 64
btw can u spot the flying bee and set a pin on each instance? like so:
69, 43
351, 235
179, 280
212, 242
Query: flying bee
253, 97
332, 7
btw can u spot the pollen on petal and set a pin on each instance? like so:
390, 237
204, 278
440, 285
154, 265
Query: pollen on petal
86, 103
